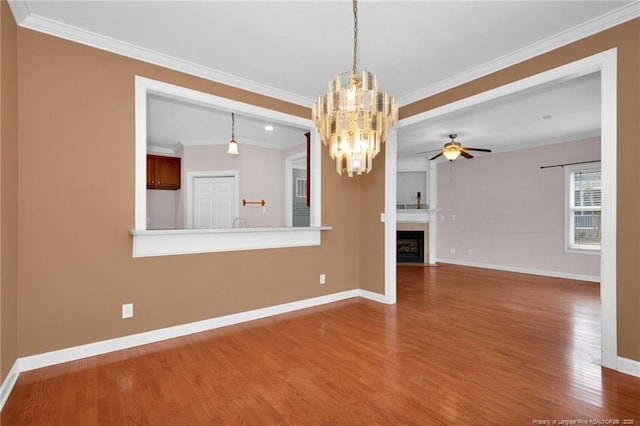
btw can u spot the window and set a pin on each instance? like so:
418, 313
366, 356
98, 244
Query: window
583, 207
301, 187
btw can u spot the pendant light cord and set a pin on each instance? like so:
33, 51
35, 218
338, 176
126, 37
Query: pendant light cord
355, 36
233, 127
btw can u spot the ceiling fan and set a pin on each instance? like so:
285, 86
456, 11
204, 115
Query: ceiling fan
453, 149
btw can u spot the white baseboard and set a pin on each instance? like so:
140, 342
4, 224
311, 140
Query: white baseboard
71, 354
9, 382
629, 366
626, 366
376, 297
554, 274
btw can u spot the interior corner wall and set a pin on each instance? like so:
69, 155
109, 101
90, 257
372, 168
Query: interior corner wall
76, 203
345, 237
626, 38
509, 213
8, 191
371, 230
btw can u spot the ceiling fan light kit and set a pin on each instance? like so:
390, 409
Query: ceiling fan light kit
453, 150
354, 117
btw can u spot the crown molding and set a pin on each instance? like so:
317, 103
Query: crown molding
243, 141
24, 18
593, 26
153, 149
20, 10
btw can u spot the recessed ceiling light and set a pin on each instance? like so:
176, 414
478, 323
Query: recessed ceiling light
547, 117
268, 128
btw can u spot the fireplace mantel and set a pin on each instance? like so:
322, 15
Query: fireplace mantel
412, 216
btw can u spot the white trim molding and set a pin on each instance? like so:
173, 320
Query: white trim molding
185, 241
606, 64
26, 19
9, 382
376, 297
616, 17
531, 271
98, 348
74, 353
191, 241
629, 366
389, 216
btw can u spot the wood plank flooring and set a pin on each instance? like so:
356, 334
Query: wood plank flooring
462, 346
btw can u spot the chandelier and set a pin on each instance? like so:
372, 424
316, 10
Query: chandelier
353, 117
233, 145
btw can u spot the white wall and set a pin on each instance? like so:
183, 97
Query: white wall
509, 212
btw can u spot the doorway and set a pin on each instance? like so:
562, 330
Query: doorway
606, 64
296, 211
300, 210
212, 199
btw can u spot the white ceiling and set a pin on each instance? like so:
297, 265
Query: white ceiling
170, 121
556, 112
291, 49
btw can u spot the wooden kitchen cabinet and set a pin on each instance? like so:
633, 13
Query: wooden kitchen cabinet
163, 172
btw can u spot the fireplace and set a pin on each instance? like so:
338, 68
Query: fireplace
410, 246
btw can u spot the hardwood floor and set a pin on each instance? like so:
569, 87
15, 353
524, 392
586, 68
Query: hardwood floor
462, 346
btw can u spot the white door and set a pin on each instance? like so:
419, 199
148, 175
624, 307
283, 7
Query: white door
213, 202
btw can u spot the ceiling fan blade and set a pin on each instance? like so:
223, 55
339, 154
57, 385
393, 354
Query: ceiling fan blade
477, 149
436, 156
466, 154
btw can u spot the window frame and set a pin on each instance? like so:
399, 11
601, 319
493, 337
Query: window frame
569, 222
185, 241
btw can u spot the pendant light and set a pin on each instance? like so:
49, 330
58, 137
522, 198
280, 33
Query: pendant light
353, 117
233, 145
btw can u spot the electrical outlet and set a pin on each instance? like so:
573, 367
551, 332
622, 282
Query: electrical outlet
452, 250
127, 310
453, 217
470, 252
323, 278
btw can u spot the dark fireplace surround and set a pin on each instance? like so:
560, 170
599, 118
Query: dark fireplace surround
410, 246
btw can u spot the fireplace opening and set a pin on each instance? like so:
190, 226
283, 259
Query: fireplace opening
410, 246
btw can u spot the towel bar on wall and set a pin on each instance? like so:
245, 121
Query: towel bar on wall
261, 202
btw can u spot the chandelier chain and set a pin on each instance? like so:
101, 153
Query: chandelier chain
355, 36
354, 117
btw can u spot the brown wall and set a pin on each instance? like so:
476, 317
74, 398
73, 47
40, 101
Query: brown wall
8, 190
76, 187
76, 183
371, 229
626, 38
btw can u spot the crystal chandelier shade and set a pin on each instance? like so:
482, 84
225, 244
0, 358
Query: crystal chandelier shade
354, 117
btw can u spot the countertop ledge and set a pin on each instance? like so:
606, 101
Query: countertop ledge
158, 232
